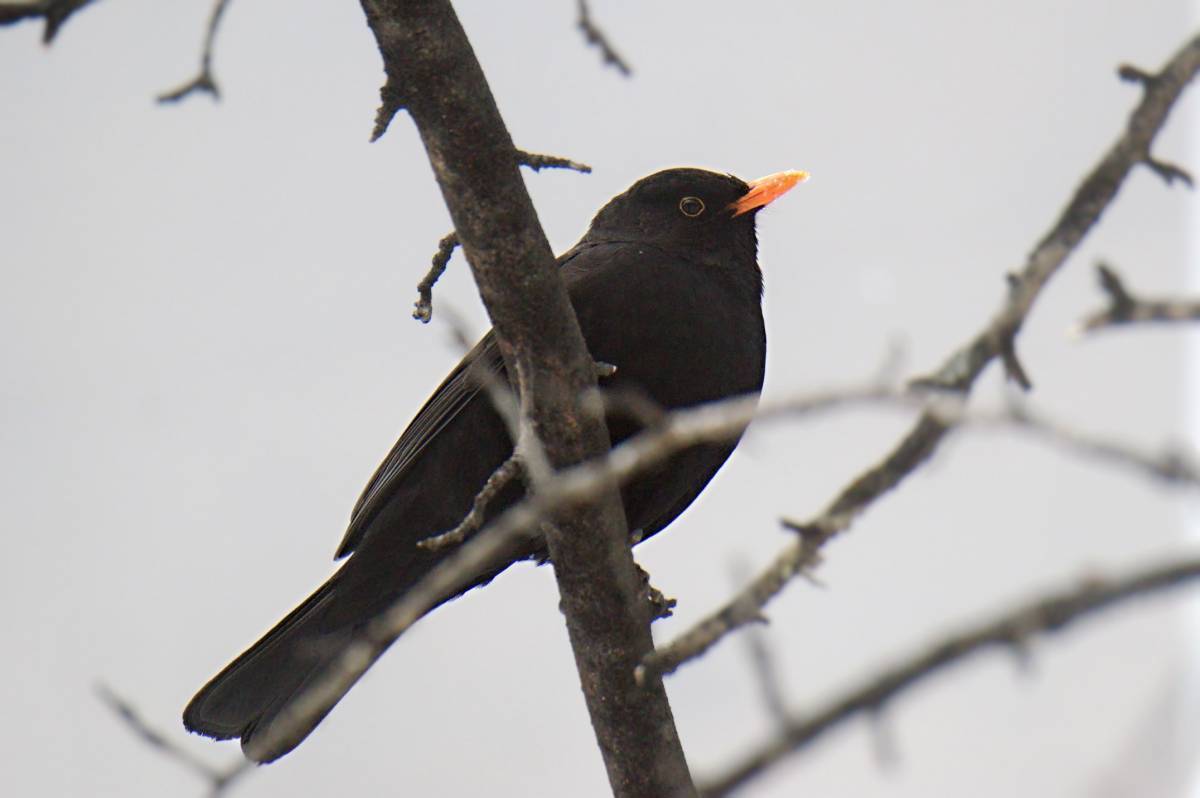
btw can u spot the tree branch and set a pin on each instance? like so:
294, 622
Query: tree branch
1171, 466
961, 369
423, 309
555, 496
1012, 629
219, 779
1126, 308
55, 12
432, 72
596, 37
204, 81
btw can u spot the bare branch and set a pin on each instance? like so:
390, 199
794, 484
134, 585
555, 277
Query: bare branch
204, 80
1012, 629
960, 370
55, 12
508, 470
1125, 308
1171, 466
762, 659
219, 779
596, 37
566, 489
423, 308
537, 162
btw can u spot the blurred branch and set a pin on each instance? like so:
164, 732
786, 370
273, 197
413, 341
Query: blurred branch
219, 779
204, 80
1125, 308
509, 470
762, 660
55, 12
1013, 629
961, 369
567, 488
1172, 466
596, 37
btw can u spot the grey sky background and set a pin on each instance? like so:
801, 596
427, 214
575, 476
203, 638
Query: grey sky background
206, 348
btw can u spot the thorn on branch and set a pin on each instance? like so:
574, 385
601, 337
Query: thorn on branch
1012, 365
391, 100
1132, 74
1126, 308
204, 82
55, 12
660, 606
812, 534
1169, 172
538, 162
596, 37
423, 307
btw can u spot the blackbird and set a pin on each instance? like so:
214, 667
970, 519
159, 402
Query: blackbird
667, 288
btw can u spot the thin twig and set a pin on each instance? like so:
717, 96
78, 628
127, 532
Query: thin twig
508, 470
537, 162
1126, 308
1012, 629
219, 779
423, 308
1171, 466
596, 37
958, 373
762, 659
204, 81
55, 12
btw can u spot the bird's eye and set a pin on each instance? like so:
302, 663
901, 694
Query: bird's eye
691, 206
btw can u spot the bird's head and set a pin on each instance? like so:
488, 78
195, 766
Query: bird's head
695, 212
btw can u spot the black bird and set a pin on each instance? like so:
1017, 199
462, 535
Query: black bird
667, 288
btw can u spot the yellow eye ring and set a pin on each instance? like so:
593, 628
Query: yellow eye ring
691, 206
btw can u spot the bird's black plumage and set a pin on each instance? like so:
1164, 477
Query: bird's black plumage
666, 287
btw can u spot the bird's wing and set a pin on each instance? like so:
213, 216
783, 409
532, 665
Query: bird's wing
447, 402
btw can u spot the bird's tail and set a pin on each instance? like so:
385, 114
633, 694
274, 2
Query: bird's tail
251, 696
251, 693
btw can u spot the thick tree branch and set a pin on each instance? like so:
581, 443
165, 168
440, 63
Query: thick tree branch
432, 72
961, 369
204, 81
1012, 629
1126, 308
55, 12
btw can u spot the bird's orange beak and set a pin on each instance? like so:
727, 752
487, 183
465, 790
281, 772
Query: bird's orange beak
766, 190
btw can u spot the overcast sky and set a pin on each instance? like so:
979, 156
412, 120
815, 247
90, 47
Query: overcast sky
207, 346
